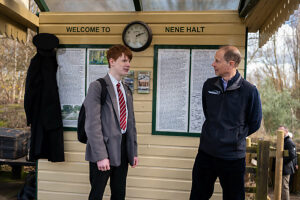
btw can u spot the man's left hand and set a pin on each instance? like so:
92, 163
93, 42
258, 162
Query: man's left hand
135, 162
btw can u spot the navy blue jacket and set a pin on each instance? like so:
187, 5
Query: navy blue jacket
288, 165
231, 116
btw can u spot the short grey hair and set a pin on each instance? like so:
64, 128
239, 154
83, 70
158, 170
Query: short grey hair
232, 53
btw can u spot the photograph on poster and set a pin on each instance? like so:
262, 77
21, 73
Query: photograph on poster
97, 66
70, 112
144, 82
98, 57
129, 80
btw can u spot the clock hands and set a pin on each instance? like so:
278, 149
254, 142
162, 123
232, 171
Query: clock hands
140, 34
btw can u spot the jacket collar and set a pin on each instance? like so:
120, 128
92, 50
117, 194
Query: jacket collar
233, 84
111, 92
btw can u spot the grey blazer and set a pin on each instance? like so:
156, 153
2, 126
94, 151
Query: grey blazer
103, 128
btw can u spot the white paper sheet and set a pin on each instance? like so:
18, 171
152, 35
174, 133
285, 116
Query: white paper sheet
201, 70
71, 82
172, 90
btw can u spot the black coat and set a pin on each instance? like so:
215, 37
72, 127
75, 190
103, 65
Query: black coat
42, 107
288, 165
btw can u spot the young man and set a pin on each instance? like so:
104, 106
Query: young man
110, 128
288, 164
232, 110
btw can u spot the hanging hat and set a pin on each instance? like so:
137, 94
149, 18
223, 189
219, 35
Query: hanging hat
45, 41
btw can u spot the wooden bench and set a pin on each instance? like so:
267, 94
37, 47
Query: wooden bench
17, 165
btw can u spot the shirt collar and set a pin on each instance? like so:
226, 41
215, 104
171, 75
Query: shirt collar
224, 84
232, 80
113, 80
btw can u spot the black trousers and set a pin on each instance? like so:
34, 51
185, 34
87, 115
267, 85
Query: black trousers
117, 175
230, 172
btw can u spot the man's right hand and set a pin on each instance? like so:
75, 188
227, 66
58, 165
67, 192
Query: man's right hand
103, 165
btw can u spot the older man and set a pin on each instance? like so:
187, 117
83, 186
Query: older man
232, 110
288, 164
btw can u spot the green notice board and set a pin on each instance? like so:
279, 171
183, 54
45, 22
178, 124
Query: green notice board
179, 74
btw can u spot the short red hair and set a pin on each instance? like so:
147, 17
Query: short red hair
116, 51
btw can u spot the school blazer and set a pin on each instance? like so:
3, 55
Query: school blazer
102, 125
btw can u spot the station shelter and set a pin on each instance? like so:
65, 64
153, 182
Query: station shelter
174, 50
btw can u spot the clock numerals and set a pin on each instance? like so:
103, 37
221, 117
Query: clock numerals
127, 40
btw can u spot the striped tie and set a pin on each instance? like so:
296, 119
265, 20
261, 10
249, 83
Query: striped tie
122, 108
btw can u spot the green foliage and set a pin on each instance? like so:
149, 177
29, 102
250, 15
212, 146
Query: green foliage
67, 109
77, 108
279, 108
12, 116
3, 124
14, 60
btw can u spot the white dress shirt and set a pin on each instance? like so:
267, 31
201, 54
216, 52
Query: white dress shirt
115, 82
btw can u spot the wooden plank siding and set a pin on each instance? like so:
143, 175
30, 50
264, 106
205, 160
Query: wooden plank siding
15, 18
165, 162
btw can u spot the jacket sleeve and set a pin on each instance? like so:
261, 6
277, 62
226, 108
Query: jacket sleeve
204, 90
33, 84
254, 112
133, 128
28, 98
135, 135
93, 127
290, 146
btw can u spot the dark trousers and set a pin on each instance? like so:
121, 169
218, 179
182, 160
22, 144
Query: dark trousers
205, 172
117, 175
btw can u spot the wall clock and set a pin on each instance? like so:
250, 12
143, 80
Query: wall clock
137, 36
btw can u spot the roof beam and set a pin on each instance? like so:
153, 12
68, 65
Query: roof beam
19, 14
246, 6
138, 5
42, 5
260, 13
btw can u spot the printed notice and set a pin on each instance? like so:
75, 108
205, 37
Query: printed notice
144, 82
97, 66
71, 83
129, 80
201, 70
172, 90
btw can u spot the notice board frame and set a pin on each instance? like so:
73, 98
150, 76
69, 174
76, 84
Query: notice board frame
86, 46
155, 63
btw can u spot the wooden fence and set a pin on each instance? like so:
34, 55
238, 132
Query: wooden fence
258, 162
259, 168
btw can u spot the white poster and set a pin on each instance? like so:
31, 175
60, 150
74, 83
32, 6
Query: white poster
201, 70
97, 64
71, 83
172, 90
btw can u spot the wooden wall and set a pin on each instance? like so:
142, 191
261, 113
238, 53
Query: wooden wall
166, 162
15, 18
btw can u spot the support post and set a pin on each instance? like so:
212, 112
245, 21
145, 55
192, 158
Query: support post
16, 171
296, 182
279, 165
248, 159
248, 144
262, 170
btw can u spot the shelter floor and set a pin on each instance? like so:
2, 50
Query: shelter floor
9, 190
293, 196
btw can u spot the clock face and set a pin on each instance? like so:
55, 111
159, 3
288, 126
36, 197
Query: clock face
137, 36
